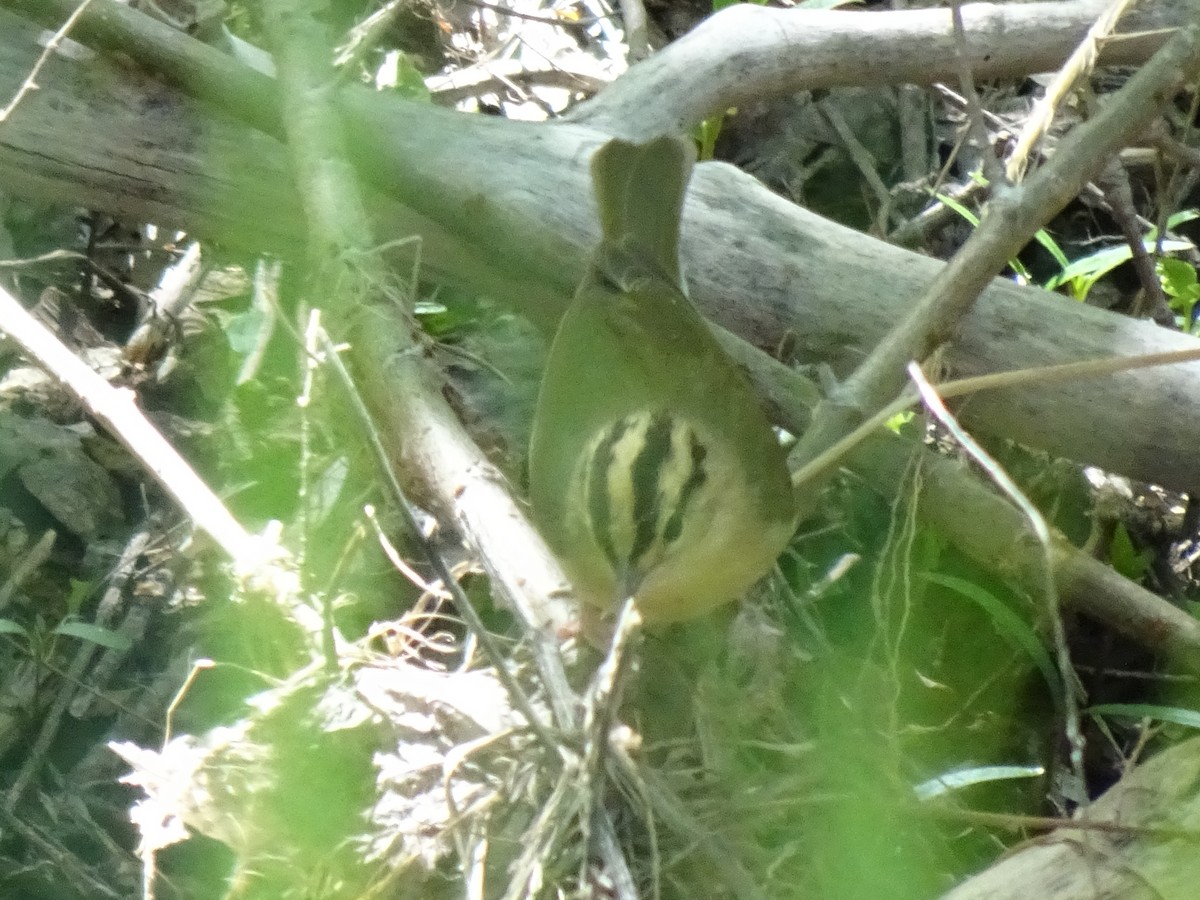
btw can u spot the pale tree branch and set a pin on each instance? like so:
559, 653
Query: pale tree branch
505, 208
746, 53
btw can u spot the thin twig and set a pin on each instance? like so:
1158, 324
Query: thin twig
52, 45
1078, 66
1070, 692
830, 459
966, 80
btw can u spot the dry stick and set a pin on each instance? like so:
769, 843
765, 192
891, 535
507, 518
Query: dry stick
1114, 182
1013, 218
117, 411
778, 51
556, 682
339, 240
313, 333
1079, 65
52, 45
863, 160
495, 76
31, 561
549, 662
976, 129
264, 302
1020, 823
828, 461
637, 34
601, 705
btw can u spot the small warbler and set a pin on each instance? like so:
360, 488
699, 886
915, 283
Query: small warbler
653, 470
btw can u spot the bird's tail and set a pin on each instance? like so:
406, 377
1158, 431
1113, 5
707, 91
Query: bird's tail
639, 191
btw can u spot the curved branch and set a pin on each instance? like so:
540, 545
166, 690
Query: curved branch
746, 53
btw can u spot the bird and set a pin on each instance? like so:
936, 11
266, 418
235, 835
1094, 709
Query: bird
654, 473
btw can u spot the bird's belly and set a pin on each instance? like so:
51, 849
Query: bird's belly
712, 567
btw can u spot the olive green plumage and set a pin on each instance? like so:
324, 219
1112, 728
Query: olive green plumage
652, 468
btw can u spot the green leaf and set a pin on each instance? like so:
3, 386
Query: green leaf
1044, 238
1125, 558
242, 329
1176, 219
80, 591
1178, 279
1189, 718
1084, 273
1010, 626
962, 778
958, 208
429, 308
8, 626
85, 631
707, 133
400, 75
326, 488
1014, 264
1087, 271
